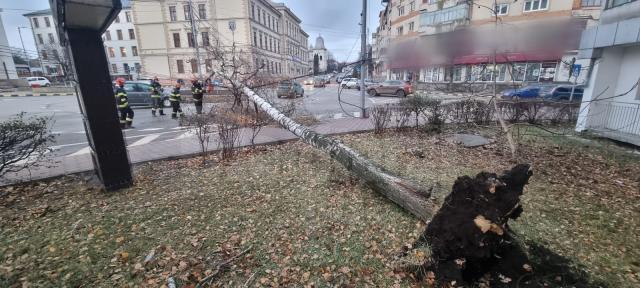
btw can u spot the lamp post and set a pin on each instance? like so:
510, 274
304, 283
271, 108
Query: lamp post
26, 57
80, 25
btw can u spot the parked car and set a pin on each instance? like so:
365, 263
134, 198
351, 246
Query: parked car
290, 89
344, 82
562, 93
309, 81
353, 83
319, 83
38, 82
367, 83
139, 94
391, 87
527, 92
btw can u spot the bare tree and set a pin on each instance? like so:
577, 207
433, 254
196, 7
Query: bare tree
228, 132
202, 125
23, 143
380, 115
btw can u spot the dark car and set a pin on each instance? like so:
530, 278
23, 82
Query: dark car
562, 93
391, 87
527, 92
139, 94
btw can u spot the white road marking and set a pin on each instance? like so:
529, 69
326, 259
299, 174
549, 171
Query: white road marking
186, 135
145, 140
67, 145
85, 150
151, 129
179, 128
338, 116
79, 132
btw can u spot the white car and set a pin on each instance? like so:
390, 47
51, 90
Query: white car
38, 81
353, 83
345, 81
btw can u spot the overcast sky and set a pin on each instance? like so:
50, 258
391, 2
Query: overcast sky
336, 20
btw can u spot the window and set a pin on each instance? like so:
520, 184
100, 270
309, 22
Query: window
119, 34
457, 73
180, 65
117, 19
138, 67
411, 26
205, 39
107, 34
127, 16
126, 68
112, 52
47, 22
615, 3
400, 30
194, 65
187, 12
259, 14
134, 51
400, 10
172, 13
255, 38
502, 9
40, 40
207, 65
412, 6
445, 15
123, 52
270, 44
533, 72
44, 55
51, 39
253, 10
260, 39
535, 5
202, 11
176, 40
56, 56
591, 3
269, 21
132, 35
114, 68
190, 40
35, 23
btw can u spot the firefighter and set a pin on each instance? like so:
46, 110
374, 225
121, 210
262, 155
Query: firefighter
126, 113
156, 97
197, 92
175, 99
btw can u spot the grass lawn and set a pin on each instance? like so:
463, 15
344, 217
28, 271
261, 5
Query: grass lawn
307, 222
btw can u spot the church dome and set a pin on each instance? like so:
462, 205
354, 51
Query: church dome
319, 43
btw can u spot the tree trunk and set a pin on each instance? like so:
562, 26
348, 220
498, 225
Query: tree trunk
419, 201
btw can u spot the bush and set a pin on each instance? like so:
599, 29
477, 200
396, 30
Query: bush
23, 143
416, 105
380, 115
470, 111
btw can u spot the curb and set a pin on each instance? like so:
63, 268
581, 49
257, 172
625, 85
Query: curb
37, 95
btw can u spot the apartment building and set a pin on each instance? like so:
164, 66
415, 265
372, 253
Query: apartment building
261, 31
295, 40
121, 46
533, 40
49, 51
611, 100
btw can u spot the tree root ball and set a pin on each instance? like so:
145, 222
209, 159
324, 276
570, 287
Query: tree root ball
470, 237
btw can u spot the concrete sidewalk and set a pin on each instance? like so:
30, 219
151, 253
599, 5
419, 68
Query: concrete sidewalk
175, 148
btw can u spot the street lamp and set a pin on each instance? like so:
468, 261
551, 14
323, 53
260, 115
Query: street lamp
80, 25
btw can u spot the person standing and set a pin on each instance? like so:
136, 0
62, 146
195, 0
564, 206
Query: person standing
175, 99
156, 97
198, 94
126, 113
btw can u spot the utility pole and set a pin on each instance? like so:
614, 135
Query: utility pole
363, 59
24, 50
194, 35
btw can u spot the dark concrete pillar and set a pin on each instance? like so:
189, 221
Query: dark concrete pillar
98, 106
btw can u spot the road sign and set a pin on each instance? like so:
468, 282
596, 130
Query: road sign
232, 25
576, 70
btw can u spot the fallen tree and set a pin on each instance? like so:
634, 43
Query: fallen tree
467, 232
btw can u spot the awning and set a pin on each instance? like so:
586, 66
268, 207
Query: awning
507, 58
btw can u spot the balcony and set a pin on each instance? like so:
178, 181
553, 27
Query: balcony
616, 120
444, 20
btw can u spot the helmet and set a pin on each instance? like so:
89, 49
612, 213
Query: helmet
178, 84
120, 81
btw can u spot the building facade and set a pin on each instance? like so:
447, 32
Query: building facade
8, 68
452, 41
322, 53
611, 101
121, 46
266, 33
50, 54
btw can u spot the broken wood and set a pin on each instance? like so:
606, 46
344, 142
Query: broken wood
220, 267
421, 202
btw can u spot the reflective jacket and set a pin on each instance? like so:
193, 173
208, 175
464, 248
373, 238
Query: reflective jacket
156, 88
121, 98
175, 95
197, 91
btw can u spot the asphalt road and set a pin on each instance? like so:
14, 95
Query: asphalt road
71, 138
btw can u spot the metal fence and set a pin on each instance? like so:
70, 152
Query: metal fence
616, 120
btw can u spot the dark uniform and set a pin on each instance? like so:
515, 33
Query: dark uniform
198, 94
175, 103
156, 98
126, 113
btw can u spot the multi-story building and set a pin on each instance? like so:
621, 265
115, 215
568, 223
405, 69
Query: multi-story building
611, 100
121, 46
453, 41
45, 35
266, 33
8, 69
